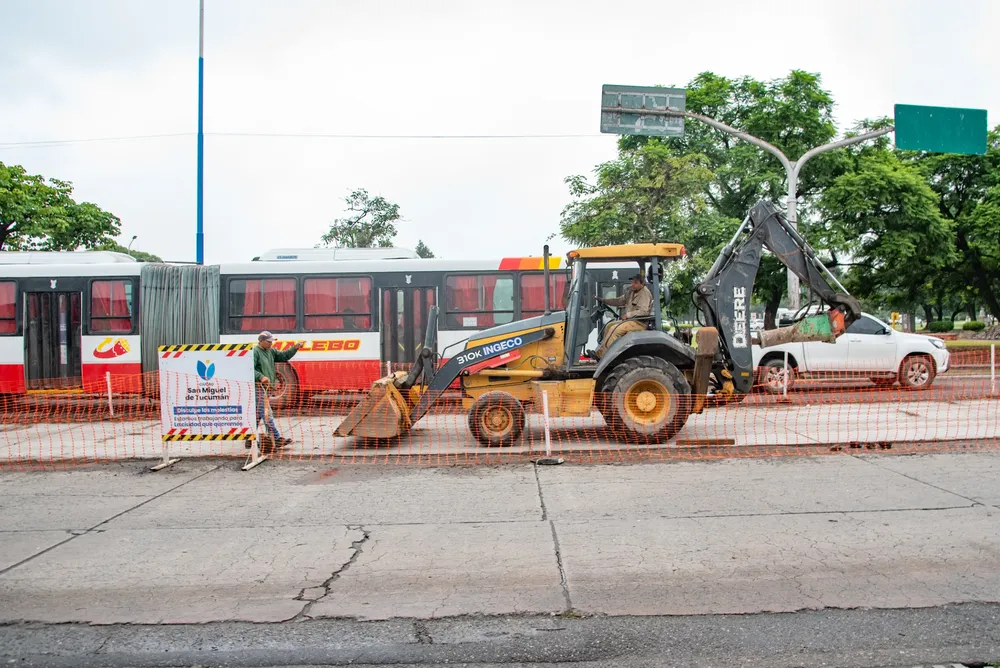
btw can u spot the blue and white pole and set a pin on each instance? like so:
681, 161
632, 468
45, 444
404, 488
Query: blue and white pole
200, 236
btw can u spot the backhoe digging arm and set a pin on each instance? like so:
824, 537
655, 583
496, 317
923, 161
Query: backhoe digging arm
724, 296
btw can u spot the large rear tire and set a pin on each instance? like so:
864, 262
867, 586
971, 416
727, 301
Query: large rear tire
645, 399
496, 419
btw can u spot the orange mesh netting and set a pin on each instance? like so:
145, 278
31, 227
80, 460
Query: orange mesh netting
843, 412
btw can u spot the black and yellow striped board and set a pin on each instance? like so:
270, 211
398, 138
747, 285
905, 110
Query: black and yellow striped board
209, 437
198, 347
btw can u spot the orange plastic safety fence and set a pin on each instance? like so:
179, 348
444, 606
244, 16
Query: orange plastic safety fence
872, 408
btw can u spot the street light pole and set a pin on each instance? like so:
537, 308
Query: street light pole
200, 234
792, 168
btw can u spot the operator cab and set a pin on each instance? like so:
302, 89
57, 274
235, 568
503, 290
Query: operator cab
587, 317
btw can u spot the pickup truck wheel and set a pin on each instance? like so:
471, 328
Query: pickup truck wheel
496, 419
917, 372
645, 399
772, 375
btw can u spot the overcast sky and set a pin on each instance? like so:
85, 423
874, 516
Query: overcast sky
83, 69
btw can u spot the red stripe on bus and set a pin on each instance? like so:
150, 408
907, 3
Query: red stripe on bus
12, 379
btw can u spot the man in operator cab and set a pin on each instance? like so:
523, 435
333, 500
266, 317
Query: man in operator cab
638, 303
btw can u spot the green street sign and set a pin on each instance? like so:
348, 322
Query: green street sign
622, 107
940, 129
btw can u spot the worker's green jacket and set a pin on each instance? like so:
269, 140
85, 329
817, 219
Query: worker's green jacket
264, 361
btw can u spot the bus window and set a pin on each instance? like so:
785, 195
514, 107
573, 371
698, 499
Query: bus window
260, 304
8, 312
111, 306
476, 302
533, 294
329, 303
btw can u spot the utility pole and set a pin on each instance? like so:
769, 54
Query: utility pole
792, 167
200, 234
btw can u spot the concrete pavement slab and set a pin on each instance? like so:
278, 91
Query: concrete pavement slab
20, 512
730, 565
81, 499
733, 487
444, 570
176, 576
16, 546
973, 475
281, 495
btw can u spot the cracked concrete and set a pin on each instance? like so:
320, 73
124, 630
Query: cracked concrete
205, 542
319, 593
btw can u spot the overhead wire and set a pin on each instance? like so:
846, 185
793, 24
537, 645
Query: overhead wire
291, 135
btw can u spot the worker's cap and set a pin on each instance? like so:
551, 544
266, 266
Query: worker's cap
266, 336
635, 277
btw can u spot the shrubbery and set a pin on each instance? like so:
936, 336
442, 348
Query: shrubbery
940, 326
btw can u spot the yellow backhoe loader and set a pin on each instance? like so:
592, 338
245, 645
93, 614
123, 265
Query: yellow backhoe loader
647, 383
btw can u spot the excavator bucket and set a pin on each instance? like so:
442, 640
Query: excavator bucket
825, 327
383, 413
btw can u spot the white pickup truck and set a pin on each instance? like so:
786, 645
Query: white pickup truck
869, 349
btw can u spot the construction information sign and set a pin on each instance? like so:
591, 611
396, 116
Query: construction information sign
207, 392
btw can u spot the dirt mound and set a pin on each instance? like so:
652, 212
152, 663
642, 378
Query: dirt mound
990, 333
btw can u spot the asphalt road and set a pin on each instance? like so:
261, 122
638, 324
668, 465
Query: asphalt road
967, 634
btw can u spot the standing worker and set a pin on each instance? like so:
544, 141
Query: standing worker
638, 303
264, 359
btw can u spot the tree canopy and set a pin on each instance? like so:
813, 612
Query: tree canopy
139, 255
371, 223
903, 229
712, 179
40, 214
422, 250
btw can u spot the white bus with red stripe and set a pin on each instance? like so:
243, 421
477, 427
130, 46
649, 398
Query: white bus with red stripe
68, 320
63, 327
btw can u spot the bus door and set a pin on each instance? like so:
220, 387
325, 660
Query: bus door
53, 337
403, 323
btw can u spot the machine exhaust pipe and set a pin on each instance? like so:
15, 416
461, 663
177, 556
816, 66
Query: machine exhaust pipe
545, 274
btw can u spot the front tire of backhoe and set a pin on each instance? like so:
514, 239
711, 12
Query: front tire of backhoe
646, 399
496, 419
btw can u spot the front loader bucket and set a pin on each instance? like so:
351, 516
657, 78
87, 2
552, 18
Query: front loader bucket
383, 413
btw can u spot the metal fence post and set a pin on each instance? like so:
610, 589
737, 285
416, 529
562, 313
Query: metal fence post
111, 405
784, 382
993, 369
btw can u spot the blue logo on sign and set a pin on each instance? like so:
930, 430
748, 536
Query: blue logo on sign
206, 369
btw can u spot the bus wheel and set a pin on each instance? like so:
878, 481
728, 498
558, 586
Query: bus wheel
286, 386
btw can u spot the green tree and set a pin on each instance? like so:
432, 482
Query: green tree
968, 187
40, 214
371, 224
422, 249
793, 113
647, 195
884, 216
